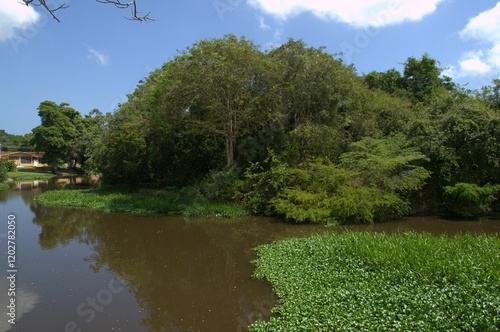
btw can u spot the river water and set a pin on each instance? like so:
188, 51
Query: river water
79, 270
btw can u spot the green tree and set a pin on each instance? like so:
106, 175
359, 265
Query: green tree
491, 94
121, 154
390, 164
470, 200
390, 81
93, 126
314, 93
60, 126
422, 78
223, 76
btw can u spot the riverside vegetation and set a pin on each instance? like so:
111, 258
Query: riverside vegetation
293, 132
380, 282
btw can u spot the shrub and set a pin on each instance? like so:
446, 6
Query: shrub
323, 192
221, 185
470, 200
10, 165
6, 166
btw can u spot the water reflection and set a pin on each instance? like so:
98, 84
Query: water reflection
184, 275
97, 272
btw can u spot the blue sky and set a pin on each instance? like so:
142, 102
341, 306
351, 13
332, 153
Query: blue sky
94, 57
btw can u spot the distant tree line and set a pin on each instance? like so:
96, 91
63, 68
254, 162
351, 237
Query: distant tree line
11, 142
293, 131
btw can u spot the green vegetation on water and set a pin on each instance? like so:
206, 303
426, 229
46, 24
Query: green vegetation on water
143, 201
30, 176
379, 282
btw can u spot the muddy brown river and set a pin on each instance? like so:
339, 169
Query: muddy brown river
79, 270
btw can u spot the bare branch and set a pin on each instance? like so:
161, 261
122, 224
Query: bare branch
136, 15
43, 3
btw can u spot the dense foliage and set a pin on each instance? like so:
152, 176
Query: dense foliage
292, 131
11, 142
379, 282
64, 135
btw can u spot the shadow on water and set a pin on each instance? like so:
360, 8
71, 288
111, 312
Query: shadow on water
94, 271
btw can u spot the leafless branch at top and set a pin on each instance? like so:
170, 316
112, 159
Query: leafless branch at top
136, 15
43, 3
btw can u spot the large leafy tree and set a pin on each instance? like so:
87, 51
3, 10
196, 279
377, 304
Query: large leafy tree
223, 76
420, 81
55, 136
314, 92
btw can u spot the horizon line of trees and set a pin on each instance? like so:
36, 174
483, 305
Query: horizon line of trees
293, 131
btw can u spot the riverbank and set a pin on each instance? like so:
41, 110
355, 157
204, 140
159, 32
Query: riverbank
378, 282
24, 175
140, 201
38, 173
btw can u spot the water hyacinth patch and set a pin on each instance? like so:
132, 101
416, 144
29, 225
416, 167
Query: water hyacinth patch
378, 282
144, 201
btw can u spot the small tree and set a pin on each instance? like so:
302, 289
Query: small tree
55, 136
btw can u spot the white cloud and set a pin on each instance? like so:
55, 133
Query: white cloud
485, 28
473, 64
101, 58
359, 13
14, 16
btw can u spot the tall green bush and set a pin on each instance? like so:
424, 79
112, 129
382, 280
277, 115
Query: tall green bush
9, 165
6, 166
470, 200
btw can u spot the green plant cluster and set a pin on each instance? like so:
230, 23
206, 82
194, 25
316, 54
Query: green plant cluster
144, 201
470, 200
380, 282
5, 167
372, 182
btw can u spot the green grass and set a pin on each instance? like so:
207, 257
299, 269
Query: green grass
29, 176
144, 201
377, 282
4, 186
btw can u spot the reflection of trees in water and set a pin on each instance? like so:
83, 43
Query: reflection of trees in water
61, 226
183, 275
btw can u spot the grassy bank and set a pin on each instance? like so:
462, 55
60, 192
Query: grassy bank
144, 201
376, 282
4, 186
29, 176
